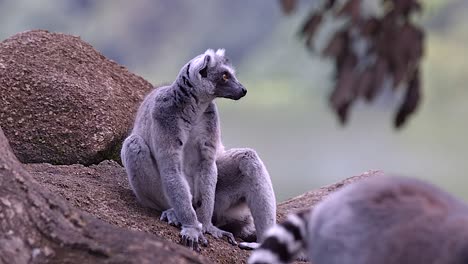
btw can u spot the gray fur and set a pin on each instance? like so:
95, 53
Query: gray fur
379, 220
176, 162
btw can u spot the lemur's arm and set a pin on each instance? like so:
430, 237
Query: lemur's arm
208, 174
206, 184
176, 188
168, 144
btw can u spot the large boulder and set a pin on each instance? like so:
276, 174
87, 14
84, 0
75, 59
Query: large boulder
63, 102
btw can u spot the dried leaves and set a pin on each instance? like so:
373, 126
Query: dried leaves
374, 48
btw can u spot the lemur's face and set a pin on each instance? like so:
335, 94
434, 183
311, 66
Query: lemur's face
217, 76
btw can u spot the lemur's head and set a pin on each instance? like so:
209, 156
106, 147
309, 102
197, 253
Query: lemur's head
215, 75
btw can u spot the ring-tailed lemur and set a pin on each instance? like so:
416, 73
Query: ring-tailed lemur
385, 220
176, 162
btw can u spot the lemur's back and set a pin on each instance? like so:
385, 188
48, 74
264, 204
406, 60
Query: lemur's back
382, 220
146, 108
386, 220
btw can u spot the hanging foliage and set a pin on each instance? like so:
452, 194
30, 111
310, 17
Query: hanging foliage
374, 45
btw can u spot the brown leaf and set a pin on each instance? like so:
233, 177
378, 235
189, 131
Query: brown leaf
337, 44
407, 52
369, 27
365, 82
288, 6
310, 26
344, 93
380, 71
329, 4
411, 100
352, 8
343, 113
405, 7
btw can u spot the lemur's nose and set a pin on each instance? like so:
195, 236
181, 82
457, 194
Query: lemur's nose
244, 91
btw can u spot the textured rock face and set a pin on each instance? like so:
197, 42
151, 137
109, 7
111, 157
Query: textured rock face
103, 191
312, 198
37, 226
62, 102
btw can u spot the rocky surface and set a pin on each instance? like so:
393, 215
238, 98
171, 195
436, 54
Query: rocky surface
62, 102
311, 198
39, 226
103, 191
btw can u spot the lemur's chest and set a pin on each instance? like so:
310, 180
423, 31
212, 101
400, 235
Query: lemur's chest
193, 154
192, 157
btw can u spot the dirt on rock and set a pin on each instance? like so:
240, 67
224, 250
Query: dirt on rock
39, 226
103, 191
62, 102
310, 199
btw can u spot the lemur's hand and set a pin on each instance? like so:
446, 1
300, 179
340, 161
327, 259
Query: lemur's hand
218, 233
170, 217
192, 237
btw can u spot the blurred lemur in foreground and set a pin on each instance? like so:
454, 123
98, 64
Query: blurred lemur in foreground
176, 163
385, 220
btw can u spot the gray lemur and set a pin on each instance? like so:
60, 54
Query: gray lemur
176, 163
383, 220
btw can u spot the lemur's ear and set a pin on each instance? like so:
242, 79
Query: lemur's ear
220, 52
206, 61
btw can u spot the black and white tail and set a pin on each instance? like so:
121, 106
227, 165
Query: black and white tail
283, 242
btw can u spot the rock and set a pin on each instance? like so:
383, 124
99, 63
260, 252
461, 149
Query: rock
39, 226
62, 102
103, 191
311, 198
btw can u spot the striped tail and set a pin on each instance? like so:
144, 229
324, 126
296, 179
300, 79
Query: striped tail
283, 242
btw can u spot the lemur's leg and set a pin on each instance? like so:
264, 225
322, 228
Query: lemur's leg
242, 178
143, 173
144, 177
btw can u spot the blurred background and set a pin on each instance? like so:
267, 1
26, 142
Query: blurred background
285, 116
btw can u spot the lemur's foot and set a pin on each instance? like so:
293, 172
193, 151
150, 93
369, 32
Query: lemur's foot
249, 245
192, 237
170, 217
218, 233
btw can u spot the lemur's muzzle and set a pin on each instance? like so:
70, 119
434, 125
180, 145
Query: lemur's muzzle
240, 92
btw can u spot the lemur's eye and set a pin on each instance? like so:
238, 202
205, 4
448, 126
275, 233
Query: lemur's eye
225, 77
